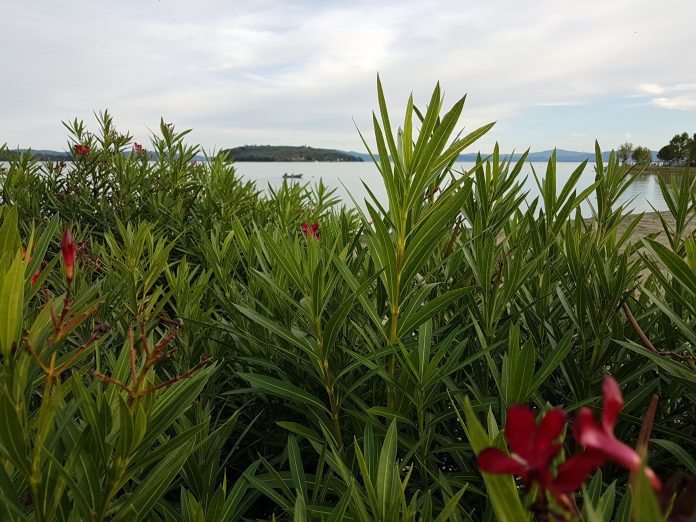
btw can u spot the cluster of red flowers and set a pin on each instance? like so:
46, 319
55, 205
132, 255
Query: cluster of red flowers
311, 230
81, 150
534, 447
138, 148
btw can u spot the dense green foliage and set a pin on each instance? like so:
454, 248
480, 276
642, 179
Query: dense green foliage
286, 153
353, 375
681, 149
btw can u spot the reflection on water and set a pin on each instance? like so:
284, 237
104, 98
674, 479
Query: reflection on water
348, 179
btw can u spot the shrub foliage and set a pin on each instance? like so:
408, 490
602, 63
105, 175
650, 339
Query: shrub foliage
216, 357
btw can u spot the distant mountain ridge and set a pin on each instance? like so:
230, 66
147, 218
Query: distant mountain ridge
541, 156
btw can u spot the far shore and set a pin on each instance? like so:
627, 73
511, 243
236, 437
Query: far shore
661, 170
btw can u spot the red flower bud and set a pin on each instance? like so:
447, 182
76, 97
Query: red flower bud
67, 247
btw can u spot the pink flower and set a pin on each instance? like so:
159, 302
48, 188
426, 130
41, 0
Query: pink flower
67, 248
601, 440
138, 148
311, 230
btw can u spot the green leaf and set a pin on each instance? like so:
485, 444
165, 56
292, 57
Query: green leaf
296, 467
386, 473
283, 389
11, 305
451, 506
153, 486
300, 511
409, 323
680, 453
277, 329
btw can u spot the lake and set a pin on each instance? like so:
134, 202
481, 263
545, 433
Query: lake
348, 178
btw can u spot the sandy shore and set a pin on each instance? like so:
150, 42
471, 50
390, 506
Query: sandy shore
650, 224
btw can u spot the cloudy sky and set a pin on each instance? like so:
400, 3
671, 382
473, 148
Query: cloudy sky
551, 73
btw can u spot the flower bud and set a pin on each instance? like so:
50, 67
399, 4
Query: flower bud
67, 247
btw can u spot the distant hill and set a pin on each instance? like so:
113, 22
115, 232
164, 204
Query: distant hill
542, 156
43, 155
286, 153
54, 155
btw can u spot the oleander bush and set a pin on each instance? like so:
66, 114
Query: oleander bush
177, 343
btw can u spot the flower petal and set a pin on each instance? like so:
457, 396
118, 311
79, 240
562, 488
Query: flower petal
575, 471
613, 402
591, 436
551, 425
493, 460
520, 430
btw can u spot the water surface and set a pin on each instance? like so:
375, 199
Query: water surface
348, 178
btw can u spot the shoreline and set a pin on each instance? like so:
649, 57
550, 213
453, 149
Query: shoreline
650, 224
660, 171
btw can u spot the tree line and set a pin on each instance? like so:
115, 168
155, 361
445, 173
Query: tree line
681, 150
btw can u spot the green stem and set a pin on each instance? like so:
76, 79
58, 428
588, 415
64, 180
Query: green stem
328, 384
391, 360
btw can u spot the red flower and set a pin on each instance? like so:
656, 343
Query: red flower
81, 150
533, 445
67, 247
312, 231
533, 449
601, 440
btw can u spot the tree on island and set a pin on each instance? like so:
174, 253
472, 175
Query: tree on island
625, 150
680, 144
680, 149
642, 155
666, 153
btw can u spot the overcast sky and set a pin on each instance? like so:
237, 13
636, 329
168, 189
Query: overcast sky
551, 73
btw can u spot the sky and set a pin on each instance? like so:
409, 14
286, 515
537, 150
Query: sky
550, 73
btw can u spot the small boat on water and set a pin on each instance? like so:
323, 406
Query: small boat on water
292, 176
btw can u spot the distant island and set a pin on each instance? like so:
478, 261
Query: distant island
286, 153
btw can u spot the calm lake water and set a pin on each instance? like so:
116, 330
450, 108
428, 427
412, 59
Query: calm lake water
348, 178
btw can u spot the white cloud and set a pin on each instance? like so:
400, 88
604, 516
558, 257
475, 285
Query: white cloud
679, 96
651, 88
273, 71
684, 103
